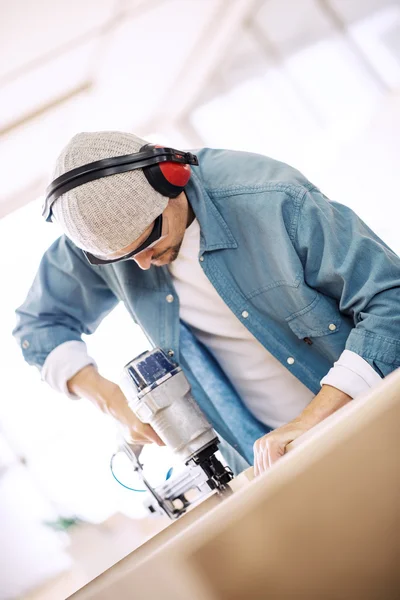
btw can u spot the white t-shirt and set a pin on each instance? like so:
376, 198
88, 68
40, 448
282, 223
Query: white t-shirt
267, 388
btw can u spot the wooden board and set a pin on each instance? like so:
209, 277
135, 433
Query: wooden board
324, 522
170, 530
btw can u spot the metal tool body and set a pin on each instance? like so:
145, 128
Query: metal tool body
170, 496
159, 394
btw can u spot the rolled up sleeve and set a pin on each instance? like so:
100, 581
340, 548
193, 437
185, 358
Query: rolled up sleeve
351, 374
65, 361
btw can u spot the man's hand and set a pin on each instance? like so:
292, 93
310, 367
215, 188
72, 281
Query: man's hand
106, 395
272, 446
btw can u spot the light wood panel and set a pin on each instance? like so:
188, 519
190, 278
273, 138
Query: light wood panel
324, 522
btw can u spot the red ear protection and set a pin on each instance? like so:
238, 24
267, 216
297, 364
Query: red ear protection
167, 178
175, 173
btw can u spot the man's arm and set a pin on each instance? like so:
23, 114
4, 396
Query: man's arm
342, 258
69, 298
272, 446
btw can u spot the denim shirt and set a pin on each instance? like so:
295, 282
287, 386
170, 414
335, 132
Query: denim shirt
304, 274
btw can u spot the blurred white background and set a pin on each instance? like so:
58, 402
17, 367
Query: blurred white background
315, 83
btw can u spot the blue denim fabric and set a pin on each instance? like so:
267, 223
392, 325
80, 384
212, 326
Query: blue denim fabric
217, 398
293, 266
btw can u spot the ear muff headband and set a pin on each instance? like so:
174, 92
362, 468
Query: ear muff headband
167, 181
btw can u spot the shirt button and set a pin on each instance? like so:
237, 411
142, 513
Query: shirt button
201, 258
290, 360
332, 326
169, 298
25, 344
245, 314
170, 353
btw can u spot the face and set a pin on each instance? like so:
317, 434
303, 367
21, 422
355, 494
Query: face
176, 217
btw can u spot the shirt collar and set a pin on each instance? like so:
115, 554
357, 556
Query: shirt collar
214, 231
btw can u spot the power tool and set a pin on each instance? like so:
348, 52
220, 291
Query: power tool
160, 395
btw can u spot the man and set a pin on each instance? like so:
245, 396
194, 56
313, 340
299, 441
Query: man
280, 305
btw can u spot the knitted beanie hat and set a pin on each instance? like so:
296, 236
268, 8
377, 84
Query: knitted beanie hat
107, 214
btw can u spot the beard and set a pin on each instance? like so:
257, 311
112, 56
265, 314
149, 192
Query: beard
170, 254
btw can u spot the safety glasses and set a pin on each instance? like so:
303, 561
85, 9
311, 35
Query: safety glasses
158, 233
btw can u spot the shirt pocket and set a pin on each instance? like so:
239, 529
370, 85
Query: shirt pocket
320, 324
319, 318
